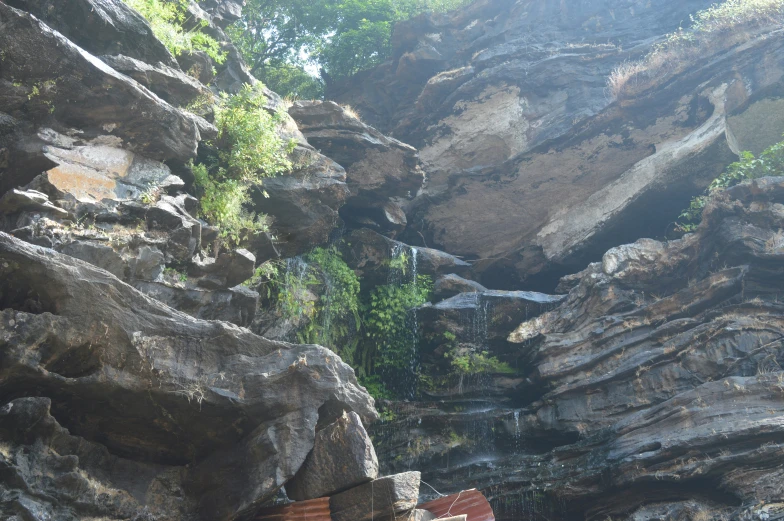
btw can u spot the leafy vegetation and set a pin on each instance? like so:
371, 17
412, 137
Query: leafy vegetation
167, 19
248, 149
478, 363
373, 333
280, 38
263, 275
769, 163
721, 26
390, 340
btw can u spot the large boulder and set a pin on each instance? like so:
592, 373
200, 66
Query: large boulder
385, 498
304, 203
101, 27
377, 167
45, 75
342, 458
154, 385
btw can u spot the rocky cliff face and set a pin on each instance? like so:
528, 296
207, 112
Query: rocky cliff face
652, 392
533, 168
143, 369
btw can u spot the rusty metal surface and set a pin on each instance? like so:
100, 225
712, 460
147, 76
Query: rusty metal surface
310, 510
470, 502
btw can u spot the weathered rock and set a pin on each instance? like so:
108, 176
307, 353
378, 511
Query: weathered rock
377, 167
479, 317
369, 254
225, 271
304, 204
183, 231
100, 27
97, 254
16, 201
223, 12
197, 64
422, 515
50, 474
342, 458
236, 305
172, 85
449, 285
384, 498
653, 389
533, 170
154, 385
62, 81
94, 173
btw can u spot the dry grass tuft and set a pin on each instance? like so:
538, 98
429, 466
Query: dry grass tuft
348, 109
717, 28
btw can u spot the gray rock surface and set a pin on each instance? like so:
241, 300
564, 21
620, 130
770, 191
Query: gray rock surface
80, 91
652, 390
534, 170
384, 498
377, 167
154, 385
342, 458
449, 285
171, 84
369, 254
304, 204
100, 27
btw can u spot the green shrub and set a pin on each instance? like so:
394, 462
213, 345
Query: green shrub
334, 319
167, 18
266, 272
770, 163
249, 148
376, 388
478, 363
389, 344
222, 203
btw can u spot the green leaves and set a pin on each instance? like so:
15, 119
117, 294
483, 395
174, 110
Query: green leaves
478, 363
280, 39
166, 20
248, 139
249, 148
389, 337
770, 163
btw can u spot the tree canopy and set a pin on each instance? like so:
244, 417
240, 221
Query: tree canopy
286, 41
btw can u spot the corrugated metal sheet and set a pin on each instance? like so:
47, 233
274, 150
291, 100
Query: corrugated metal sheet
310, 510
470, 502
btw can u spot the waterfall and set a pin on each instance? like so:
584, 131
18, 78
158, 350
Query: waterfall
414, 252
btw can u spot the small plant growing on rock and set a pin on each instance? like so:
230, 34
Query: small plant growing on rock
769, 163
166, 18
478, 363
249, 148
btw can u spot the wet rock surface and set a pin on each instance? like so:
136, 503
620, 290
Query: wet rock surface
369, 254
653, 389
